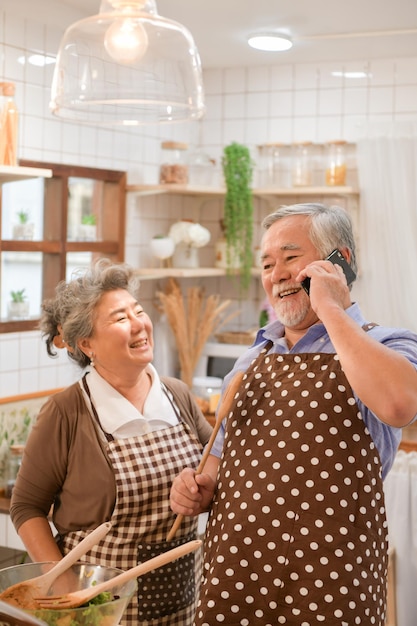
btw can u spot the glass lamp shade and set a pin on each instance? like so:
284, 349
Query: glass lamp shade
127, 66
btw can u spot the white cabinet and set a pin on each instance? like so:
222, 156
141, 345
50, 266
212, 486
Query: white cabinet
8, 535
12, 538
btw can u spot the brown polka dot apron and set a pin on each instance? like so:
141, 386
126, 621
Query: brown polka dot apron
144, 468
297, 533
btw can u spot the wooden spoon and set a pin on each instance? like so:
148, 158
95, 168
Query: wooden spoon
223, 411
22, 594
77, 598
13, 616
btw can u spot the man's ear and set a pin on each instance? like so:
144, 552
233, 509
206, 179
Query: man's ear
346, 253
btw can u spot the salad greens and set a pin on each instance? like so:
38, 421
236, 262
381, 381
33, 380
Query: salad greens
89, 614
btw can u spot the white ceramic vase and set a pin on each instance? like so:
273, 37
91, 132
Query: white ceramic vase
186, 256
221, 257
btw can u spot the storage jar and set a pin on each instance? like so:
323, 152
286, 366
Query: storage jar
336, 163
302, 164
273, 165
9, 125
207, 390
201, 169
13, 466
174, 166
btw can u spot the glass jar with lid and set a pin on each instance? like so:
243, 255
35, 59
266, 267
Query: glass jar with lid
336, 162
207, 390
273, 165
201, 169
302, 164
13, 466
174, 166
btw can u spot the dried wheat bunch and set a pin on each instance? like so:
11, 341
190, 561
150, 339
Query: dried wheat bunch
192, 322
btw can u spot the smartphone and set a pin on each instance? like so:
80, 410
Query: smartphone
335, 257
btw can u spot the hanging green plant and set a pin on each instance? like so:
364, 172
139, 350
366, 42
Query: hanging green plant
238, 208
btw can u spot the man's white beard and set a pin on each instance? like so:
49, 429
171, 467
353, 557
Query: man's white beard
291, 316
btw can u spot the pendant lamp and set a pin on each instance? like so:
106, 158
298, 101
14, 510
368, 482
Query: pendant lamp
127, 66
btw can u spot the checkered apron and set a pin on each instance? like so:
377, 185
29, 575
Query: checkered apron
297, 534
144, 468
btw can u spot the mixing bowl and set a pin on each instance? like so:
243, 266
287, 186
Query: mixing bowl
79, 576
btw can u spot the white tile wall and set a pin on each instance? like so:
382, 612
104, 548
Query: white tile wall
283, 103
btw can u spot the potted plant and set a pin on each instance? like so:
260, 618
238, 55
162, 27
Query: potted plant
162, 247
238, 209
23, 229
18, 307
88, 227
188, 237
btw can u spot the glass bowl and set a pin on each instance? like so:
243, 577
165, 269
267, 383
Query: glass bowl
79, 576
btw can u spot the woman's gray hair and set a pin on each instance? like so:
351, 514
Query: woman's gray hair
330, 227
69, 316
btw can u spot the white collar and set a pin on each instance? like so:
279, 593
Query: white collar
118, 416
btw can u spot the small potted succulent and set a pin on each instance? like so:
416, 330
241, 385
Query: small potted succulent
88, 228
18, 307
24, 229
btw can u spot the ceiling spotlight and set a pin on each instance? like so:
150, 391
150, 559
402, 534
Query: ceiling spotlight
351, 74
270, 42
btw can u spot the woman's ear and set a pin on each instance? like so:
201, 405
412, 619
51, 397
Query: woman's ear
84, 346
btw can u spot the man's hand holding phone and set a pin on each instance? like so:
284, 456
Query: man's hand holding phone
337, 258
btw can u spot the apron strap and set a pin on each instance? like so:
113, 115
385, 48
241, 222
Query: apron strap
108, 436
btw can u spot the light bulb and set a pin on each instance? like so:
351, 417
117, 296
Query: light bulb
126, 40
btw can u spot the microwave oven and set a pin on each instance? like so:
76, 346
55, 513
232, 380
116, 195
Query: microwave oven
218, 359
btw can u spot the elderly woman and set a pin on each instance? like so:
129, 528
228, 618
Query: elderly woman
108, 447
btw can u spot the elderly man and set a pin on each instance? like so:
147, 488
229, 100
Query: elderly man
297, 530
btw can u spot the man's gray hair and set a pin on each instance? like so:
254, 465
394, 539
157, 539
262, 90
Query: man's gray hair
330, 227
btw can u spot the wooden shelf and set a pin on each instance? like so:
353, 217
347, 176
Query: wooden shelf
188, 190
9, 173
207, 192
177, 272
306, 191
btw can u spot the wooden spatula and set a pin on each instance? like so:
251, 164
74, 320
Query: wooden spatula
22, 594
77, 598
223, 411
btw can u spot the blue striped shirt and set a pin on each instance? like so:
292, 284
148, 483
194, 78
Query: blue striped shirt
316, 339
